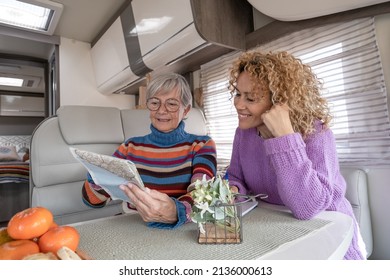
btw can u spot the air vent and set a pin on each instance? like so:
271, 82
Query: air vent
30, 83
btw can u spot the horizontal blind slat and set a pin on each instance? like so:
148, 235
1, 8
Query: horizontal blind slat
346, 58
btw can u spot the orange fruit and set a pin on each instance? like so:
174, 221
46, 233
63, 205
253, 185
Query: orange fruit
54, 224
30, 223
18, 249
57, 237
4, 236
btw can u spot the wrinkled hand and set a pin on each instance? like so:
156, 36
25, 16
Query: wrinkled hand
152, 205
277, 121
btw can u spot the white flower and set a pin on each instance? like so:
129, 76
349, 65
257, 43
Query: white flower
206, 194
204, 207
201, 228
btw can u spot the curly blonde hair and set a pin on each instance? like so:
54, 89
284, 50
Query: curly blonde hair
290, 82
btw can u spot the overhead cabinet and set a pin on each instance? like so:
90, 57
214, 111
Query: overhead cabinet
14, 105
169, 35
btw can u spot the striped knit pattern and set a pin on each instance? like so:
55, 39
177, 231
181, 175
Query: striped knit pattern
167, 162
14, 172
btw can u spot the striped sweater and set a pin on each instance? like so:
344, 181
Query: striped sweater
167, 162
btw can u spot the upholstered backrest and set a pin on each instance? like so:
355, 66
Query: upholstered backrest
357, 194
135, 122
89, 124
195, 122
57, 177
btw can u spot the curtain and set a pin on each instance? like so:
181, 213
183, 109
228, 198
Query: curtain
346, 58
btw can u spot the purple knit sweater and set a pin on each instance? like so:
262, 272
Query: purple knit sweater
302, 175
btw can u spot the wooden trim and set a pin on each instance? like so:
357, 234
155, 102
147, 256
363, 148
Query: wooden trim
22, 93
223, 22
277, 29
22, 60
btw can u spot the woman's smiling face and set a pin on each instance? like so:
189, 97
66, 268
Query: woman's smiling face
162, 119
250, 102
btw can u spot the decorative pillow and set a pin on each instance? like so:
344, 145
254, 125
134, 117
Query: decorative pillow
19, 141
8, 153
23, 150
26, 156
24, 153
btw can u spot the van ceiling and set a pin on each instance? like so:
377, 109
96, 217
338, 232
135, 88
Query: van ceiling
287, 10
83, 20
80, 20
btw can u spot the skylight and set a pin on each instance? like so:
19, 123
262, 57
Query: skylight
11, 82
35, 15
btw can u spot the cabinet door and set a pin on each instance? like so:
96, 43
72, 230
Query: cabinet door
13, 105
109, 54
165, 32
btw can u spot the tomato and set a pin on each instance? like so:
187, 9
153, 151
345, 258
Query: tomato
57, 237
30, 223
18, 249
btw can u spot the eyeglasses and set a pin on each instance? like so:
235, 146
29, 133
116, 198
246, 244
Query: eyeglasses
171, 104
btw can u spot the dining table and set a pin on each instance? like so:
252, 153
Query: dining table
269, 232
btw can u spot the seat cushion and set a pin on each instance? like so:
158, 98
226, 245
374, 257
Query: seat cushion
357, 194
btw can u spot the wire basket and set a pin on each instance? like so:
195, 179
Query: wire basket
226, 226
225, 230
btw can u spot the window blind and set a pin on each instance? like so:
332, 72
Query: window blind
346, 58
220, 114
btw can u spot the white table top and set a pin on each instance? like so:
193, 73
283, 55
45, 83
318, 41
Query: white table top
330, 242
269, 232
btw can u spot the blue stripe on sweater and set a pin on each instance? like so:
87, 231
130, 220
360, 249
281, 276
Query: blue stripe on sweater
167, 180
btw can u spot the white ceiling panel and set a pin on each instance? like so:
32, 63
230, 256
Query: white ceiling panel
291, 10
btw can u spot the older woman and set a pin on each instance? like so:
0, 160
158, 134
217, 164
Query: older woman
168, 159
283, 146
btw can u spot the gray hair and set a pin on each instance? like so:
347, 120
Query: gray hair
168, 82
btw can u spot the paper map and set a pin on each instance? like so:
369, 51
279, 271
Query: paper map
109, 172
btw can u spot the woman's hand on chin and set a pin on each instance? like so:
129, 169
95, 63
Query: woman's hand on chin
264, 132
277, 120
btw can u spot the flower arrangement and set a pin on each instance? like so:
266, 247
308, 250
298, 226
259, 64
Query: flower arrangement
218, 218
